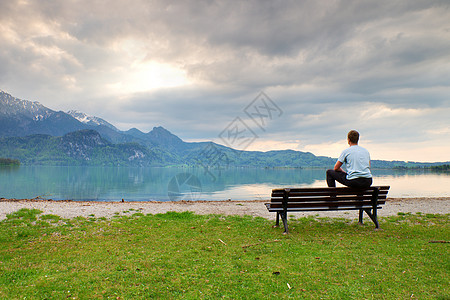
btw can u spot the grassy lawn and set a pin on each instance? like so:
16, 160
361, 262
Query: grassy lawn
183, 255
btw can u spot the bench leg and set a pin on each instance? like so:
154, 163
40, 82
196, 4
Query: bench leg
373, 216
284, 219
361, 216
277, 223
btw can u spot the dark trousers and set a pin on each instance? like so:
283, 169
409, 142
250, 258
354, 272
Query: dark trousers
341, 177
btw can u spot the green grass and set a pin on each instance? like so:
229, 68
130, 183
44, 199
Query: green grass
183, 255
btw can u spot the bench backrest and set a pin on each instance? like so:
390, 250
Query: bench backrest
328, 198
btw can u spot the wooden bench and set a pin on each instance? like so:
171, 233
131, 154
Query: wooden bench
367, 200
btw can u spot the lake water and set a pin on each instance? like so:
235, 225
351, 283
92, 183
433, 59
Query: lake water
165, 184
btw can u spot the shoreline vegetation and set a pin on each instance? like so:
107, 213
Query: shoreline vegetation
9, 162
441, 167
437, 168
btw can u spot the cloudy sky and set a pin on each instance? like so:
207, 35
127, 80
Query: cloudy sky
198, 68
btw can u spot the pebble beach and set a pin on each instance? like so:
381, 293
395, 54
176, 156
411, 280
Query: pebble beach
70, 209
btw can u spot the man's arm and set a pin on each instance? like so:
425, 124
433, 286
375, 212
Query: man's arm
337, 167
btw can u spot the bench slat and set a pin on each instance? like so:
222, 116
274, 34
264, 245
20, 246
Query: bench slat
326, 198
324, 204
322, 209
328, 189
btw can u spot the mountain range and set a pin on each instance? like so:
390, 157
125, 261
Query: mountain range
35, 134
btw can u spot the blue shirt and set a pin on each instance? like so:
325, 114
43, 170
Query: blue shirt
356, 161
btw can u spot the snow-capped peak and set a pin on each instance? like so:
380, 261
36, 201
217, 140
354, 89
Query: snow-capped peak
90, 120
10, 105
80, 116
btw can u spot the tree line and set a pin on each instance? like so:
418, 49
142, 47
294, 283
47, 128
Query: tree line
9, 162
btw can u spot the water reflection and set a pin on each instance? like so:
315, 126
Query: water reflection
144, 184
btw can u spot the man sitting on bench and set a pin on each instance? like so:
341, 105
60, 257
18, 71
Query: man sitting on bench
356, 161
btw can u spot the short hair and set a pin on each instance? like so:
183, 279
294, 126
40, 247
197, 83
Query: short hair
353, 136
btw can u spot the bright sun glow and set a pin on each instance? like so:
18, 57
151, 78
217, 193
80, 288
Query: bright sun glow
149, 76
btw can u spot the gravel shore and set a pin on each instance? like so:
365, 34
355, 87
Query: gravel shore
71, 209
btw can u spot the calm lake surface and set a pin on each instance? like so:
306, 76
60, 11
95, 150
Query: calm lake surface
166, 184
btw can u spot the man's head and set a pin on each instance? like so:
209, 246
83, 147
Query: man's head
353, 136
